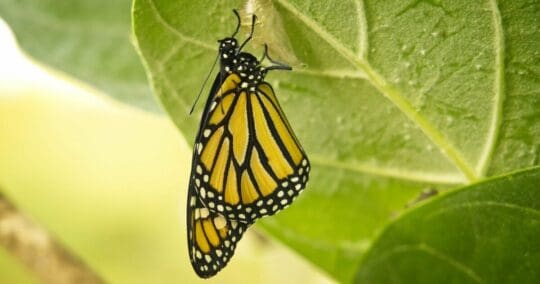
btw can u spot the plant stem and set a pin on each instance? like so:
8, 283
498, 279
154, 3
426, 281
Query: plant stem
46, 258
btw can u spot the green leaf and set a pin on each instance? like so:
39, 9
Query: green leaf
390, 98
87, 39
484, 233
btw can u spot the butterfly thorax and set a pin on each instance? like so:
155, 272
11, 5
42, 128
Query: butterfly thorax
248, 68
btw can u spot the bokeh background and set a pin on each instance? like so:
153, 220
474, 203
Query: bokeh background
109, 181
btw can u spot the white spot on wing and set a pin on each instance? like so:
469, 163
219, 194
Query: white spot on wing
202, 192
220, 222
199, 148
204, 212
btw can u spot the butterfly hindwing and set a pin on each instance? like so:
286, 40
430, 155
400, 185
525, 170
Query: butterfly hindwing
212, 238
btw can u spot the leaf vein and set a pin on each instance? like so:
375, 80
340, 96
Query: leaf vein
423, 247
390, 93
174, 30
363, 43
498, 88
174, 93
389, 172
452, 262
332, 73
516, 207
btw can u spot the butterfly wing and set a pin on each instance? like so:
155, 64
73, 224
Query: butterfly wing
247, 161
211, 237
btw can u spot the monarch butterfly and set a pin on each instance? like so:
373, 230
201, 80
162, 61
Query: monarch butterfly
247, 162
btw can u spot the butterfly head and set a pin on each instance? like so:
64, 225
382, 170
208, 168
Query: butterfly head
228, 43
227, 48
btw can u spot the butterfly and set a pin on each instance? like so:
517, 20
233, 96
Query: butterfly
247, 163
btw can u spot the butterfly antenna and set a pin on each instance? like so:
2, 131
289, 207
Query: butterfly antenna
239, 22
204, 84
253, 20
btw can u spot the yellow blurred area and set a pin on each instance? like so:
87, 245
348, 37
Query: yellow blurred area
109, 181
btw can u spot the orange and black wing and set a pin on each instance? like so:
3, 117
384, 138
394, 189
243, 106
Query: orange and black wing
211, 237
247, 161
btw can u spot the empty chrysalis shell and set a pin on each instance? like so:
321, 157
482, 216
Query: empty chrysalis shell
270, 30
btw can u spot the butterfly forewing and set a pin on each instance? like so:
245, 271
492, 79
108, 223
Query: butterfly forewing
248, 162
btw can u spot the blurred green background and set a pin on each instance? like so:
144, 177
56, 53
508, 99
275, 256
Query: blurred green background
109, 181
